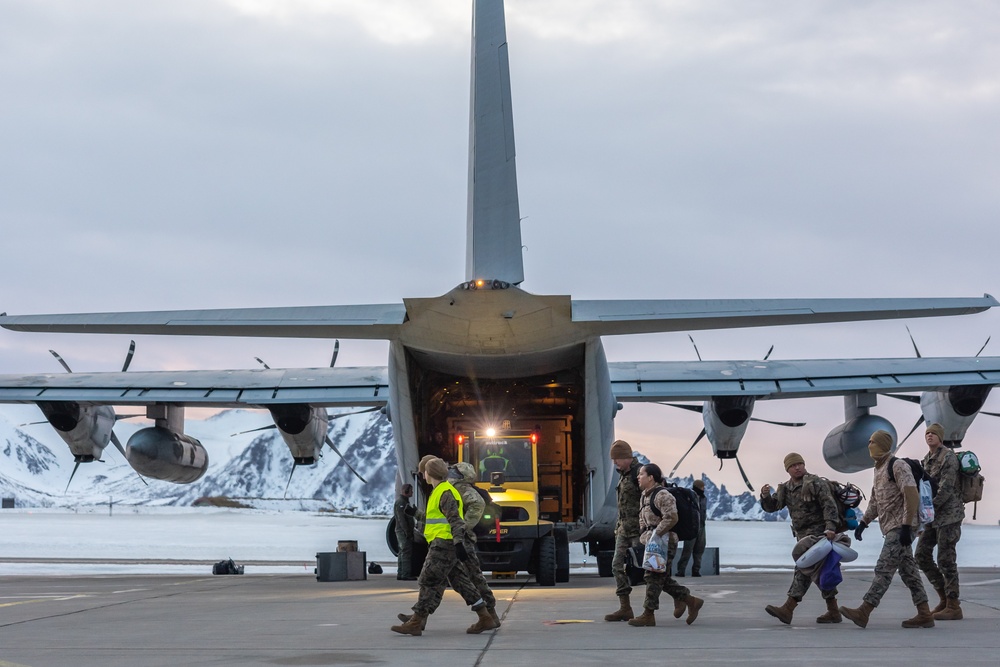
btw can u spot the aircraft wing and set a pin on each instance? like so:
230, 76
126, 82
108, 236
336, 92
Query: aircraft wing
370, 322
318, 387
605, 318
699, 380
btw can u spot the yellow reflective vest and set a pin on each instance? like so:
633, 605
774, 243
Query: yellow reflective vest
436, 526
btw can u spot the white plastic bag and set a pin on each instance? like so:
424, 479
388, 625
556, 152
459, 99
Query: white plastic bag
655, 557
926, 510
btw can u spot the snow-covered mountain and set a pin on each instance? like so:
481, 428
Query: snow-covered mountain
35, 466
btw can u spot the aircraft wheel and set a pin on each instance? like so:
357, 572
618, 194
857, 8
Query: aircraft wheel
562, 554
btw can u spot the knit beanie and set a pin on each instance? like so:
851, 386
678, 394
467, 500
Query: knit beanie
437, 469
423, 463
792, 459
880, 444
621, 450
937, 430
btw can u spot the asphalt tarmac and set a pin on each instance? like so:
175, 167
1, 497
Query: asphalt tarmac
125, 621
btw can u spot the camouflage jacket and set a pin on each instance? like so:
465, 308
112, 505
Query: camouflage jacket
628, 502
649, 522
943, 468
887, 501
473, 505
810, 504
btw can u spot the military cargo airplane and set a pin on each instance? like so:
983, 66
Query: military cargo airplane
490, 354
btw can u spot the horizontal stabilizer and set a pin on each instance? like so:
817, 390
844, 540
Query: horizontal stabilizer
369, 322
606, 318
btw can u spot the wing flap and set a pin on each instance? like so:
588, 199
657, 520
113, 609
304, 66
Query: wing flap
677, 380
224, 389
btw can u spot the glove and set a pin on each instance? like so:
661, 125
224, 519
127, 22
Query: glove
906, 536
860, 529
460, 551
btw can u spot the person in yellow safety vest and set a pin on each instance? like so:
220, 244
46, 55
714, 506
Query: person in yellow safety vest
444, 530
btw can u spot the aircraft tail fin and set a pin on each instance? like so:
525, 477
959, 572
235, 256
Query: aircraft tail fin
493, 228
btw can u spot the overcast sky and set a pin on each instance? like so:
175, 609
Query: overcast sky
229, 153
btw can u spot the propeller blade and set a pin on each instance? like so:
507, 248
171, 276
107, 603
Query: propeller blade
746, 479
356, 412
904, 397
261, 362
128, 357
919, 422
984, 346
768, 355
991, 414
346, 462
768, 421
118, 444
695, 347
120, 417
294, 466
71, 476
336, 352
253, 430
692, 408
60, 360
696, 441
32, 423
915, 349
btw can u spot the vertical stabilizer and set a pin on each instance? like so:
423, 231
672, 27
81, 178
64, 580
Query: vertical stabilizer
493, 228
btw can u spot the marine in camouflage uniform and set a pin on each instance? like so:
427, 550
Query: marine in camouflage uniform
659, 522
894, 504
463, 476
403, 511
627, 528
945, 531
444, 528
813, 511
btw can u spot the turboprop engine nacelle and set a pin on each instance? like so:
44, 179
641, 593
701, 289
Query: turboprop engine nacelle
303, 428
726, 419
85, 428
954, 409
846, 447
160, 453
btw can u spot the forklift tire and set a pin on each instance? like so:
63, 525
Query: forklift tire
545, 573
562, 554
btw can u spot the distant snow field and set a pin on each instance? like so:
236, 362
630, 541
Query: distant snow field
287, 542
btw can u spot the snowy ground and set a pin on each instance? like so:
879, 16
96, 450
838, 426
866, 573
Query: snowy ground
287, 542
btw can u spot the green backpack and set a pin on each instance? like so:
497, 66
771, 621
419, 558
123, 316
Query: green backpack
971, 479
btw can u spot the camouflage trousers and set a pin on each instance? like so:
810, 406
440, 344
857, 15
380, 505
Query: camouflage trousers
623, 587
695, 547
657, 582
404, 560
943, 575
441, 567
472, 577
801, 583
894, 557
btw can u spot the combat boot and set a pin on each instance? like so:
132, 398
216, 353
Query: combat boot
414, 626
784, 612
680, 606
952, 612
647, 620
624, 612
406, 617
694, 605
484, 623
860, 615
942, 604
923, 619
493, 615
832, 614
